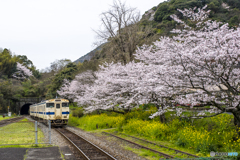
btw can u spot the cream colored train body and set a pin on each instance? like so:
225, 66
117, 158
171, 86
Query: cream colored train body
55, 110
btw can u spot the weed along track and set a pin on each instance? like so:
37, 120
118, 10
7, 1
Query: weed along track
174, 155
162, 146
86, 149
9, 121
160, 153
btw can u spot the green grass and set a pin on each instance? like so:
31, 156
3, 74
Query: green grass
25, 156
1, 118
20, 133
144, 153
62, 154
94, 122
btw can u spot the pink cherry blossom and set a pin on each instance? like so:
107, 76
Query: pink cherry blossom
22, 72
198, 66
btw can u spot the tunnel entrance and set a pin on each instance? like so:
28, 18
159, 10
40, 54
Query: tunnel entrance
25, 109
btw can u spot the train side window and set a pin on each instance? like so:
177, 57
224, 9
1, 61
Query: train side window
50, 105
65, 105
57, 105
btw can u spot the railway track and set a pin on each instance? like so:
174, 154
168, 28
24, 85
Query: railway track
86, 149
160, 153
11, 120
162, 146
141, 146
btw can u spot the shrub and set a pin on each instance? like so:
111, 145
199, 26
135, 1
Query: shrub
140, 113
180, 142
73, 121
77, 112
102, 121
234, 20
151, 129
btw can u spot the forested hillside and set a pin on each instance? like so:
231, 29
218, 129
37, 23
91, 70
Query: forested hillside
18, 78
156, 22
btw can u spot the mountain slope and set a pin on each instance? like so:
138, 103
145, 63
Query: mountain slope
227, 11
89, 55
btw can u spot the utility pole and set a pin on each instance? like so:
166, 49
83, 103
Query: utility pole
9, 99
8, 106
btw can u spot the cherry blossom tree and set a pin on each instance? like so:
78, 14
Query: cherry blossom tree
77, 87
116, 85
122, 86
198, 66
22, 72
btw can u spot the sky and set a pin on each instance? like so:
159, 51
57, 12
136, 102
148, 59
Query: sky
49, 30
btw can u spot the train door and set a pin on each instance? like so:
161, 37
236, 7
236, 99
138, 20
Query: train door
58, 112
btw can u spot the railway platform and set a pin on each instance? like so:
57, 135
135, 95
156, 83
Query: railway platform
47, 153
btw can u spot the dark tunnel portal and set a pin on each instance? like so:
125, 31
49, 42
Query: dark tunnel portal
25, 109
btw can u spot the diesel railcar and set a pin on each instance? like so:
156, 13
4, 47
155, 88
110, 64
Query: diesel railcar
55, 110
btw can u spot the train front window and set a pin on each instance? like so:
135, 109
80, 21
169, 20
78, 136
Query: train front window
50, 105
57, 105
65, 105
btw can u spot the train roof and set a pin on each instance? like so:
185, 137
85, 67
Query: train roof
51, 100
57, 100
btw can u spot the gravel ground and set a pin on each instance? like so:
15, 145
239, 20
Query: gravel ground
111, 145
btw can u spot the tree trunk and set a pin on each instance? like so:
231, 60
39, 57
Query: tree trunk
98, 112
127, 110
162, 117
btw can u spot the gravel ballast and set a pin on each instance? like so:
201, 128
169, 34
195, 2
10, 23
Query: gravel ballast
110, 145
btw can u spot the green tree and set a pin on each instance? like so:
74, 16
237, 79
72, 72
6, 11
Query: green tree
25, 61
163, 12
7, 63
234, 21
28, 63
234, 3
67, 73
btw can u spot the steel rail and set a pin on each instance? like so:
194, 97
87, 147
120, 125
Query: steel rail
177, 151
81, 152
161, 153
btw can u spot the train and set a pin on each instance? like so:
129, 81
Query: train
55, 110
